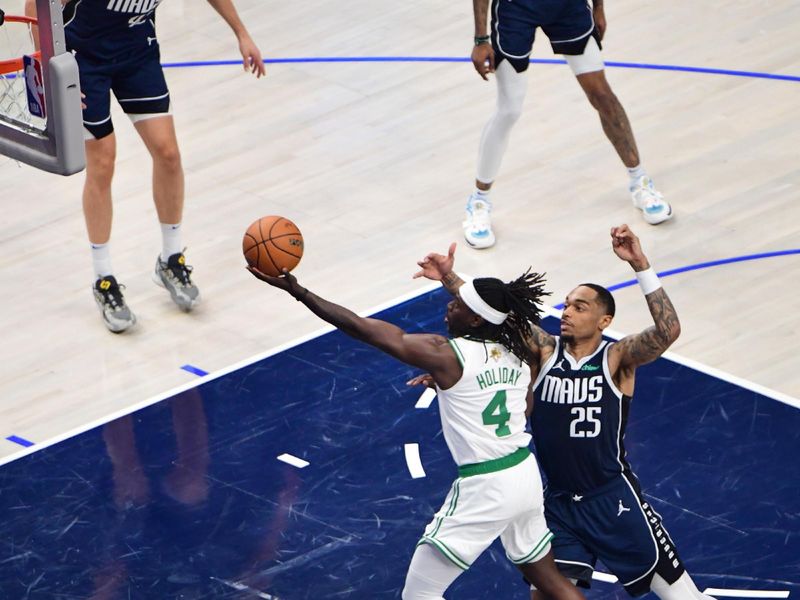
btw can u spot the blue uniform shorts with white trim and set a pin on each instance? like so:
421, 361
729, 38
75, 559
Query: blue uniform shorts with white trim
136, 80
568, 24
613, 524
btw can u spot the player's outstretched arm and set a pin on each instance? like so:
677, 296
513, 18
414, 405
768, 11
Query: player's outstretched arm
426, 351
644, 347
251, 55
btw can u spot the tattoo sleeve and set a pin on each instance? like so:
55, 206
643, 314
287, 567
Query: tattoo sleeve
651, 343
452, 282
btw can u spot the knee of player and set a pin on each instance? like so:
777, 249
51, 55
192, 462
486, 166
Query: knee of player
168, 155
100, 166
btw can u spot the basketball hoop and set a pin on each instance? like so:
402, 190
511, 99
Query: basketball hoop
16, 41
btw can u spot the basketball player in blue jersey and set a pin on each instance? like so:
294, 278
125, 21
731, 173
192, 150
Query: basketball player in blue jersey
575, 31
483, 384
115, 45
581, 398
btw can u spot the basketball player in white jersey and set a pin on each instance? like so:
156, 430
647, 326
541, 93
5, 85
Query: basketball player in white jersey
582, 393
575, 31
483, 381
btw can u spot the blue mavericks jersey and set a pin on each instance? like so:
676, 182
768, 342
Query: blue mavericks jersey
110, 29
578, 421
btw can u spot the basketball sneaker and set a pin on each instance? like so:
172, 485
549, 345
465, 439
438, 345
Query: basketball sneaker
478, 222
108, 295
650, 201
175, 276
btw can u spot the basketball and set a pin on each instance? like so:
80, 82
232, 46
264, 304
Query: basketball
272, 243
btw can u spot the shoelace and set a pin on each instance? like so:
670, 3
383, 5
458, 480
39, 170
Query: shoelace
113, 297
182, 273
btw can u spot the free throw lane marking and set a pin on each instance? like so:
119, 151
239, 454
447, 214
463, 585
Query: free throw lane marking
413, 461
290, 459
746, 593
426, 398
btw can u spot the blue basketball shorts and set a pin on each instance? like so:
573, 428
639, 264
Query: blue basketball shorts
137, 81
615, 525
568, 24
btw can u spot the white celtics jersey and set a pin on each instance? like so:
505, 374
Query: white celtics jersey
483, 414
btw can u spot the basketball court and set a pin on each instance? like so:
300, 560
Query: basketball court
146, 465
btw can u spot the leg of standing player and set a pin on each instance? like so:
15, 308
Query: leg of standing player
509, 52
588, 67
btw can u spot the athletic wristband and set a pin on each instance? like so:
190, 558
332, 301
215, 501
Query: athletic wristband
482, 39
648, 281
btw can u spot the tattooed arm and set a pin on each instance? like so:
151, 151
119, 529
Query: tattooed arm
644, 347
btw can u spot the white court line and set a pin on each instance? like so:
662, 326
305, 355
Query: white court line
290, 459
746, 593
433, 285
607, 577
426, 399
413, 461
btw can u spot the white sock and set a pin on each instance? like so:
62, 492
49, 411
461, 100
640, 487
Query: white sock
636, 172
101, 260
171, 240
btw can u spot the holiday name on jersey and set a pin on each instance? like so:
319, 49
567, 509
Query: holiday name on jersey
497, 376
563, 390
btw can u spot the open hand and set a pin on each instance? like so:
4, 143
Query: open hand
251, 57
436, 266
286, 282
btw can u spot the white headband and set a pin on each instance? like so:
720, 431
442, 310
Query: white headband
478, 305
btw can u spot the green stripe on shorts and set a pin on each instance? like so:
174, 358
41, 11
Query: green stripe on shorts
533, 555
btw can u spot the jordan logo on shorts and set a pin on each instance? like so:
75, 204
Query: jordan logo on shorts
622, 509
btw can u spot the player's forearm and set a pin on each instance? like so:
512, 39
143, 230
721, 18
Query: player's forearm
597, 4
480, 9
665, 319
451, 282
370, 331
227, 11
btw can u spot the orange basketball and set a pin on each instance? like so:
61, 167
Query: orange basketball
271, 244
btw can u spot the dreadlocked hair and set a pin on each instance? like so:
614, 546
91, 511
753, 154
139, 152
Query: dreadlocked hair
520, 299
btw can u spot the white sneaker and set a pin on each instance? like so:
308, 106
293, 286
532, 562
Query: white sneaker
646, 198
478, 223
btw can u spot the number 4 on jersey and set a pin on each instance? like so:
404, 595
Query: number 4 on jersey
496, 413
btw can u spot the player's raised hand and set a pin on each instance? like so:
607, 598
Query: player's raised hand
251, 56
436, 266
483, 59
626, 245
286, 282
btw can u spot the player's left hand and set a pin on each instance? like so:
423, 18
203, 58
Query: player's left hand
251, 56
286, 282
600, 20
436, 266
626, 245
